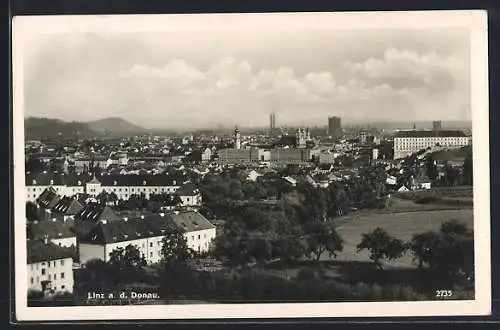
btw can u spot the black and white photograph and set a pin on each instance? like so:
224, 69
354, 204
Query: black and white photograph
279, 165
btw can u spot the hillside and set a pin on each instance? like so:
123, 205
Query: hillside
43, 128
115, 125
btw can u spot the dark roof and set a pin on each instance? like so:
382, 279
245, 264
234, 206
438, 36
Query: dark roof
190, 221
125, 230
48, 198
68, 206
147, 226
189, 189
90, 216
45, 178
141, 180
49, 228
417, 134
38, 251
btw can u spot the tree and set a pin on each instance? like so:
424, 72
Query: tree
176, 273
32, 211
320, 238
468, 169
432, 171
381, 246
127, 263
451, 249
174, 247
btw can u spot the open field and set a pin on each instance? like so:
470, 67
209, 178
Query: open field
400, 225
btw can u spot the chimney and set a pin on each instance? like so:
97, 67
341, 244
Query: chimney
46, 239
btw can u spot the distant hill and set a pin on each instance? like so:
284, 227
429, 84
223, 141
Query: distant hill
43, 128
115, 125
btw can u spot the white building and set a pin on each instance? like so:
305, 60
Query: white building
146, 234
50, 268
409, 142
122, 185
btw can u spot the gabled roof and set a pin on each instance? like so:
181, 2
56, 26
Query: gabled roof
51, 229
90, 216
68, 206
190, 221
38, 251
153, 225
189, 189
48, 198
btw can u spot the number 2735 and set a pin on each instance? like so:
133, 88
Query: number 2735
444, 293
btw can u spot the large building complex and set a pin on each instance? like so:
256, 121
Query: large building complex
409, 142
334, 127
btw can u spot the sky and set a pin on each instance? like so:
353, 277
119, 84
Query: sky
200, 78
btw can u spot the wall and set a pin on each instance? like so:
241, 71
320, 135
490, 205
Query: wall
90, 251
59, 272
65, 241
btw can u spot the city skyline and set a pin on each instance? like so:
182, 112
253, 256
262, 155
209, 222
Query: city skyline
190, 78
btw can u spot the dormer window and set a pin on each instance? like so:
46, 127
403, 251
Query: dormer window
34, 181
51, 182
115, 183
144, 182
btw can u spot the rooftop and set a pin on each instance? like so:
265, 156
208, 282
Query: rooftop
38, 251
419, 134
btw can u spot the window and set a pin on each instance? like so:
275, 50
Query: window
62, 262
32, 280
50, 277
143, 245
37, 279
151, 254
43, 271
55, 277
199, 236
48, 264
151, 244
62, 276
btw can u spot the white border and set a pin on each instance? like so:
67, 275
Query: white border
475, 21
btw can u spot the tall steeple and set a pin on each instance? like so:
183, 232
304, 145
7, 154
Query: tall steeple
237, 138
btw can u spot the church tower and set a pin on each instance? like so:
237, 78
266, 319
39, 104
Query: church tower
237, 138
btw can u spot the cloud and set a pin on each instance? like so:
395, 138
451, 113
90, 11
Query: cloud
230, 75
404, 68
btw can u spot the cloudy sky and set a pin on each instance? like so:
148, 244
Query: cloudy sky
200, 78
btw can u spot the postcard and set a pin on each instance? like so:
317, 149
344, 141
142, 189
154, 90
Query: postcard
251, 166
